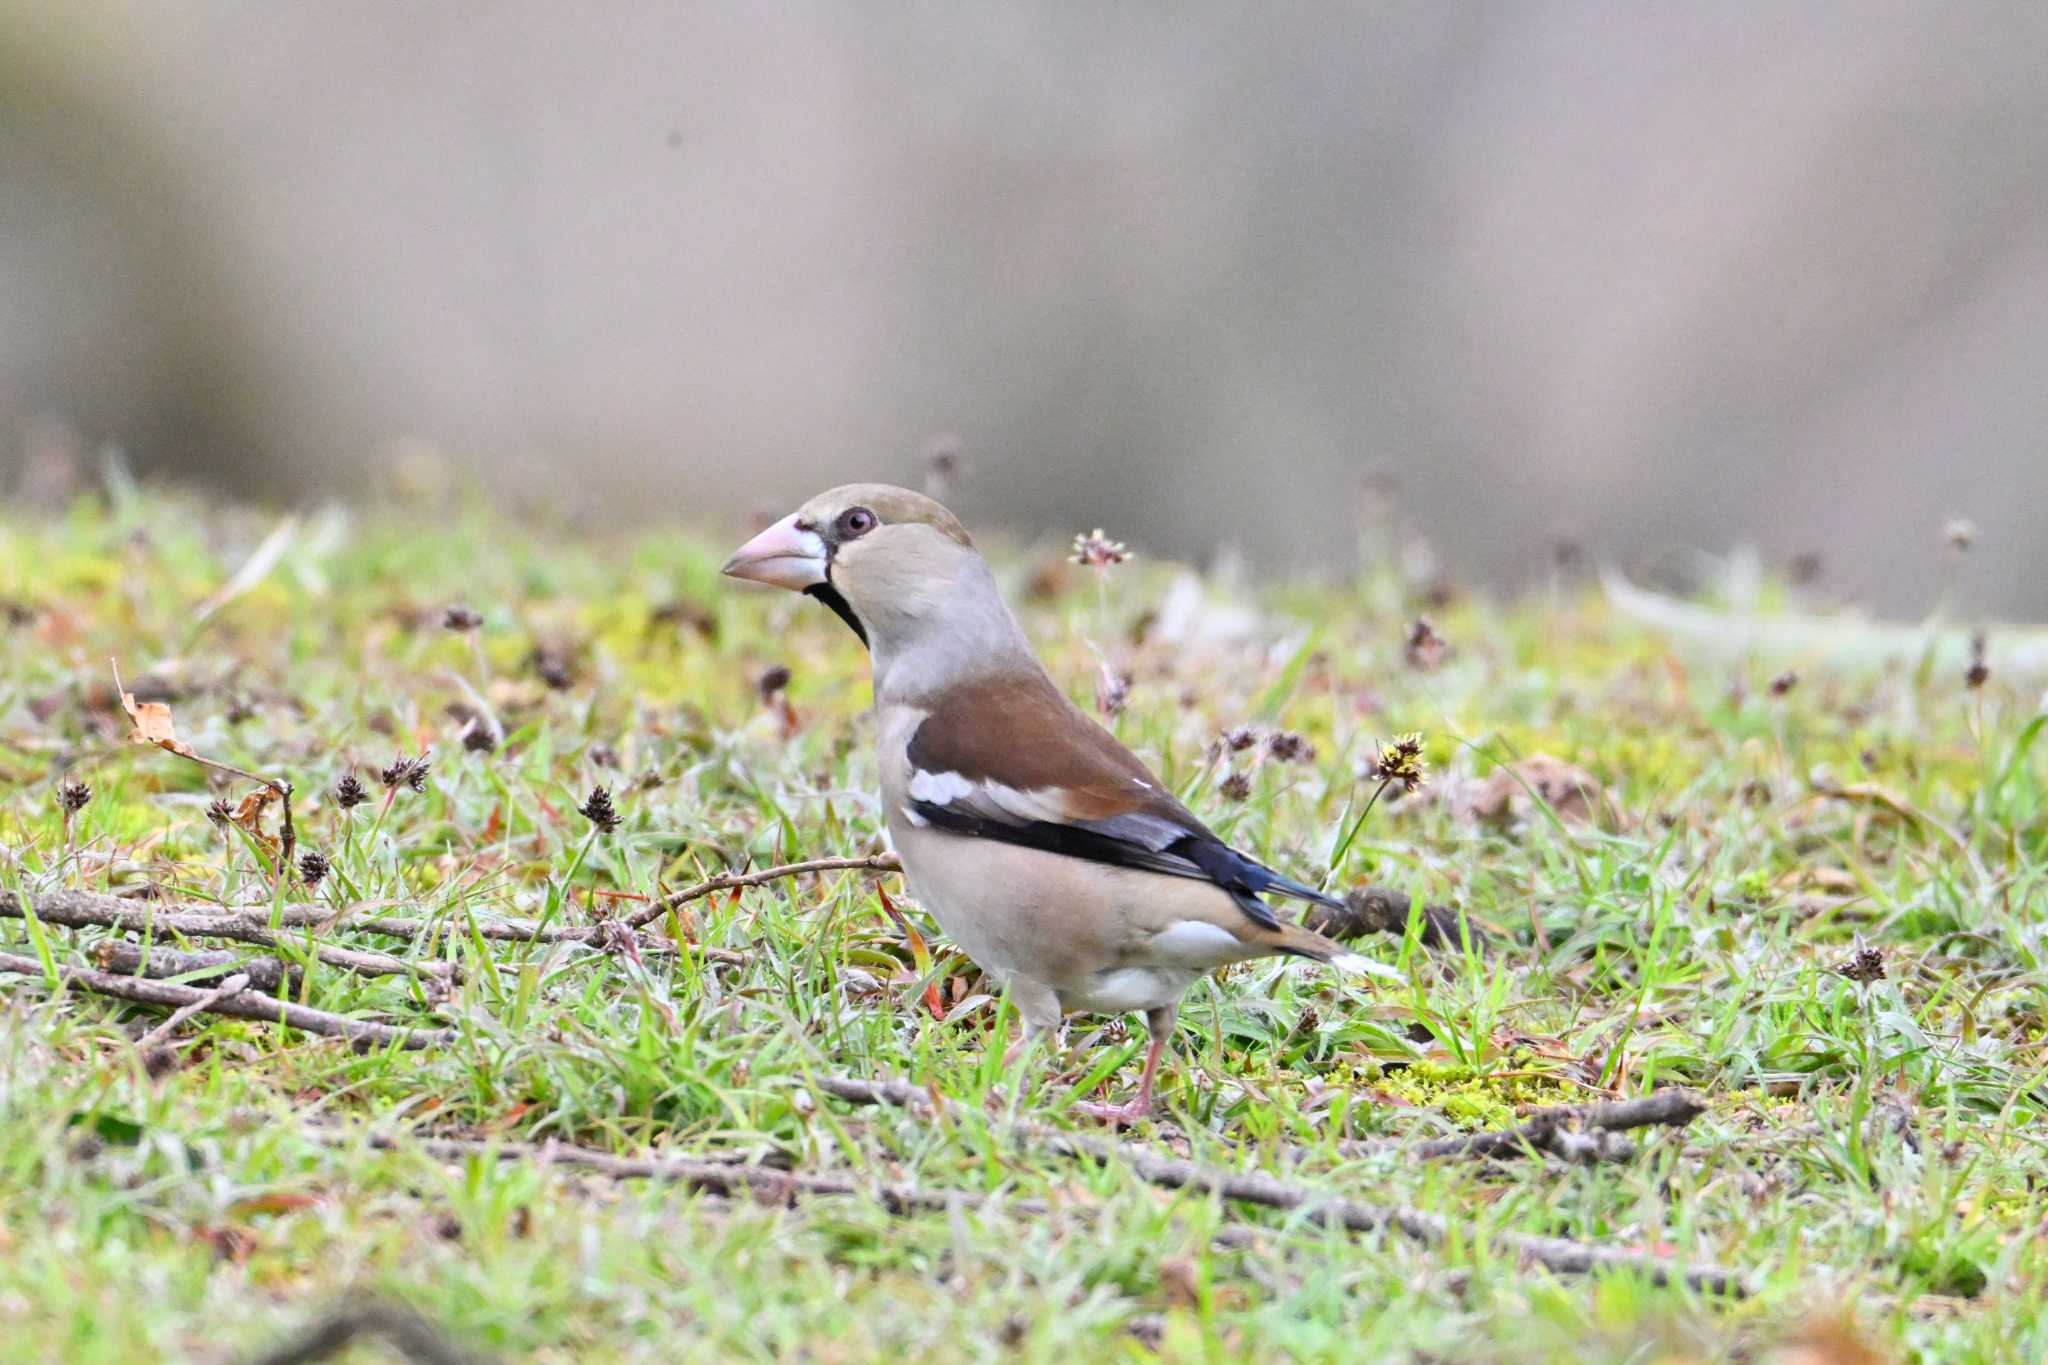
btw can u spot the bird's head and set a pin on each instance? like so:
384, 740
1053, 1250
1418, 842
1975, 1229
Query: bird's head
887, 560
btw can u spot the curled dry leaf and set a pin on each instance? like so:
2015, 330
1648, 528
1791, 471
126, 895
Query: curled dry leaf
1566, 788
248, 817
153, 725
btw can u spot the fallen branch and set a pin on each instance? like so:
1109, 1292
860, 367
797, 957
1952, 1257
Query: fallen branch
728, 881
1384, 910
265, 974
766, 1183
244, 1005
161, 1034
1567, 1131
86, 909
405, 1331
1578, 1133
1556, 1254
252, 925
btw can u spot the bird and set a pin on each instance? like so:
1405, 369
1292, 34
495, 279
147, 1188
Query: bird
1049, 853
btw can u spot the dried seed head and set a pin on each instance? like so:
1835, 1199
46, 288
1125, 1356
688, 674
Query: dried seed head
553, 668
1237, 786
1112, 692
220, 812
349, 793
1239, 738
411, 772
772, 681
1097, 551
1424, 649
1866, 964
72, 796
313, 867
1960, 533
461, 616
1285, 746
941, 463
1979, 672
599, 811
1784, 683
1400, 760
613, 936
477, 737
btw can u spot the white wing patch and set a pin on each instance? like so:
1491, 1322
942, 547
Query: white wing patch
941, 789
990, 800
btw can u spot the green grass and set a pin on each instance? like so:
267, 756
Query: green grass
1690, 937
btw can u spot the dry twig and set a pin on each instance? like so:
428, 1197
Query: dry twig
1557, 1254
1577, 1133
727, 881
266, 974
243, 1005
405, 1331
161, 1034
86, 909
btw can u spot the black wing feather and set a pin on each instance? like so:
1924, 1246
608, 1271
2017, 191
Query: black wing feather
1196, 854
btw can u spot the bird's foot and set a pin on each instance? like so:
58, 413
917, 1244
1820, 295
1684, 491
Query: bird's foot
1116, 1115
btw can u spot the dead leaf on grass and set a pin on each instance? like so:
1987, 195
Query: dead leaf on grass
153, 725
1569, 790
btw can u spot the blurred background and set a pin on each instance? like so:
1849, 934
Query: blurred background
1635, 278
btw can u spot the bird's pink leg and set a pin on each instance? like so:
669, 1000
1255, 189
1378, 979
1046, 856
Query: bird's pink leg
1140, 1104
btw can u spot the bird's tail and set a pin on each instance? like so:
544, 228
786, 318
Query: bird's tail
1296, 941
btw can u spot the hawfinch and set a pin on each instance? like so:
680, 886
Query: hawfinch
1046, 850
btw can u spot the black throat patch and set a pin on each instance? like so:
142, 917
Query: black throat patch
829, 595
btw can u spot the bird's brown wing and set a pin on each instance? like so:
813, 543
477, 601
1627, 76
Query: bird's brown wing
1010, 758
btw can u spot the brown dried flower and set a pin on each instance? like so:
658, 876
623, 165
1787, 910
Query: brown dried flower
1097, 551
1400, 760
599, 811
1286, 746
1424, 649
1979, 671
1865, 965
412, 772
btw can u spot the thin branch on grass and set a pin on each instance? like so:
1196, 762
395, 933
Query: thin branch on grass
265, 974
244, 1005
766, 1183
727, 881
1375, 909
405, 1331
1557, 1254
1565, 1131
87, 909
1577, 1133
161, 1034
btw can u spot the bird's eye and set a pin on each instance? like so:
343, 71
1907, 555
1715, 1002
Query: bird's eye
855, 521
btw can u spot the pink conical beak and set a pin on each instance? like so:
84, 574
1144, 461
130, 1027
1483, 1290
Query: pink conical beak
784, 556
